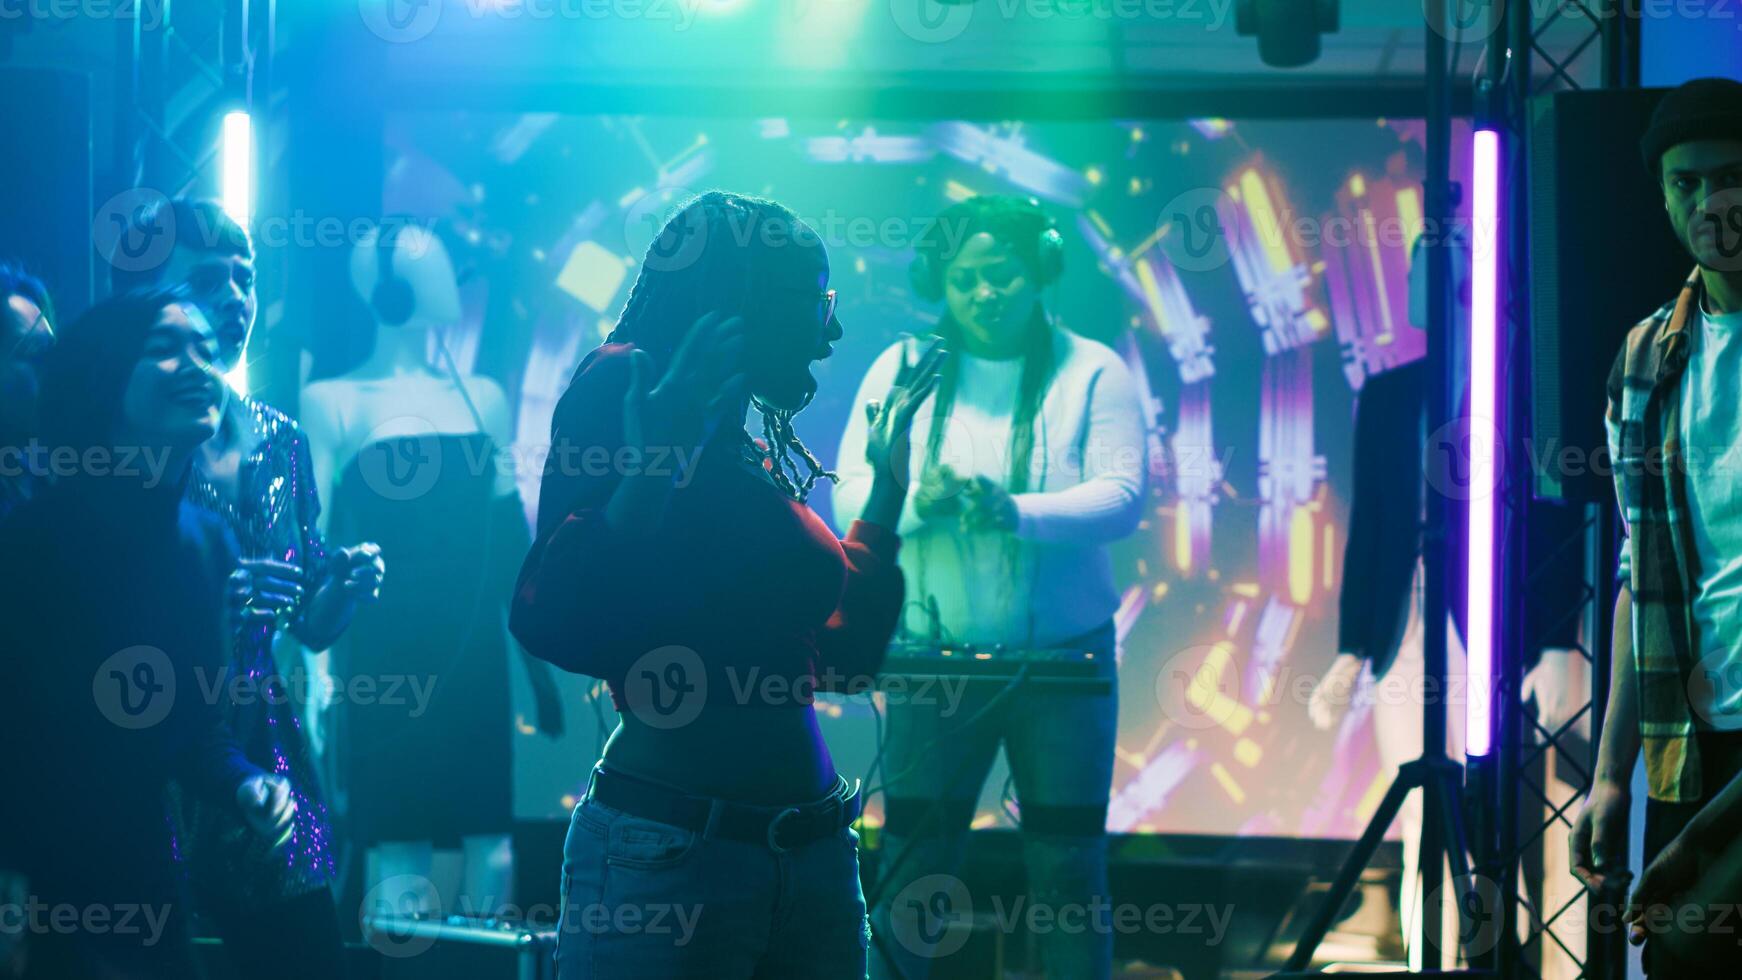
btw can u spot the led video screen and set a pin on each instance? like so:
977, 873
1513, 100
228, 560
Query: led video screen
1252, 274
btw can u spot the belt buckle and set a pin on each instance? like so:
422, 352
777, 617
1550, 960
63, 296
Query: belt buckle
774, 829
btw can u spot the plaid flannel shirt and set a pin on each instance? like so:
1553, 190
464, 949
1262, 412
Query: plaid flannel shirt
1659, 558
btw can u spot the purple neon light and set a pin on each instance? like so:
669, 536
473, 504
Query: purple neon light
1484, 442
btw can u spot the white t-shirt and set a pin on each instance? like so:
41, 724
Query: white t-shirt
1711, 408
1052, 579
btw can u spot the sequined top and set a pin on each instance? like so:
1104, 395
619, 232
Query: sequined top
275, 515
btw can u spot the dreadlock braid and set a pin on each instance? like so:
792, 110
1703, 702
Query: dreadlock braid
777, 432
708, 257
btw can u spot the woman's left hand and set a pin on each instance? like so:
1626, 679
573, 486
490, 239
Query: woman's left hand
989, 507
888, 445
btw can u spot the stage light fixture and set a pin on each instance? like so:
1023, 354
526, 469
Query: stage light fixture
1287, 30
1485, 439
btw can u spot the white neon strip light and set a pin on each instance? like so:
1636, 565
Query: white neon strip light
238, 173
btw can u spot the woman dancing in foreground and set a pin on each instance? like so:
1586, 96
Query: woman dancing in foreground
714, 602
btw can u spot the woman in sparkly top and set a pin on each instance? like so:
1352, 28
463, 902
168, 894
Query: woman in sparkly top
274, 909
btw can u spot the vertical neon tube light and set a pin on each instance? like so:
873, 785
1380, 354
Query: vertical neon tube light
238, 173
238, 198
1484, 441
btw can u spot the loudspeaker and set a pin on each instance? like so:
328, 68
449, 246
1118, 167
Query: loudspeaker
1602, 258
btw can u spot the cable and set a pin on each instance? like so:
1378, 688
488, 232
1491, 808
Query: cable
489, 530
1009, 687
935, 632
885, 873
876, 763
454, 375
1007, 799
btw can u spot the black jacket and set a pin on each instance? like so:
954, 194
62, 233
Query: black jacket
1385, 517
109, 674
1385, 534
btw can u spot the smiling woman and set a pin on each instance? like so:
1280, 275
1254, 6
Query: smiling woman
114, 606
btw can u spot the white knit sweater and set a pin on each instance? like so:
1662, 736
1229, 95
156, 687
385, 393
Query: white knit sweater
1052, 579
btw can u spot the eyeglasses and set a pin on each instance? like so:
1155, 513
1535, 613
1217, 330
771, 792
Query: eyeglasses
825, 296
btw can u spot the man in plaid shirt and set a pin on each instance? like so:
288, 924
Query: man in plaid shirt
1675, 432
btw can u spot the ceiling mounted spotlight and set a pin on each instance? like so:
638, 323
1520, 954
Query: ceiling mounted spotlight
1287, 30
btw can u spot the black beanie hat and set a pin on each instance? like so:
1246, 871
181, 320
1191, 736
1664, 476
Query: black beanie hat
1703, 109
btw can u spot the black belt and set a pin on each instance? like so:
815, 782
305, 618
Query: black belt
781, 828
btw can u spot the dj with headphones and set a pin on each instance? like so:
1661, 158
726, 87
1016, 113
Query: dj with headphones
1028, 462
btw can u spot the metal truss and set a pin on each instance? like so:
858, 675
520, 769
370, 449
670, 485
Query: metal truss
178, 73
1525, 803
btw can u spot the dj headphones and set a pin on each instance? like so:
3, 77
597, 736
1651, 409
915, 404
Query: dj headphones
393, 299
926, 272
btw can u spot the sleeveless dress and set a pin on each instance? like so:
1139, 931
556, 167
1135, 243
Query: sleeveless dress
425, 742
275, 515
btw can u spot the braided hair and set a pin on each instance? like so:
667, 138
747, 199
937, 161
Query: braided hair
712, 256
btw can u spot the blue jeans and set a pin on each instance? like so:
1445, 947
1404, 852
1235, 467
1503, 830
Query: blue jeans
1060, 749
647, 899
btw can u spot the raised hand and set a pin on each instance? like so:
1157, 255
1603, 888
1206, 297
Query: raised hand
700, 387
888, 447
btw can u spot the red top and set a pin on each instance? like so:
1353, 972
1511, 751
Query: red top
749, 583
